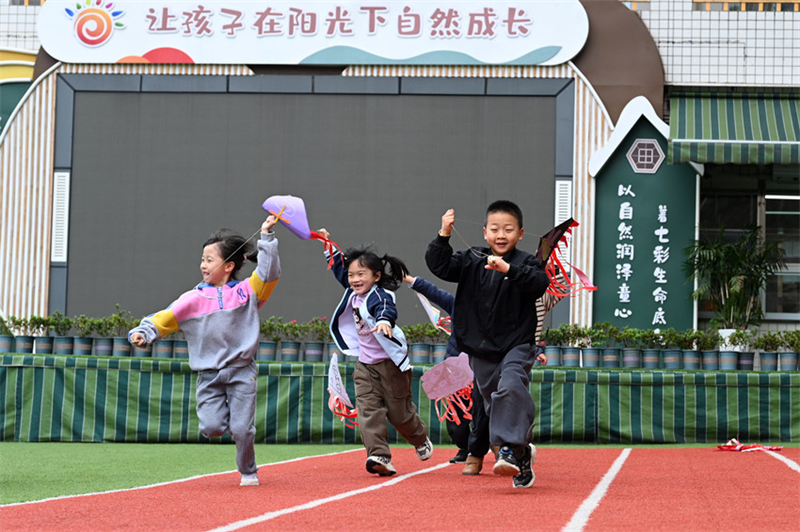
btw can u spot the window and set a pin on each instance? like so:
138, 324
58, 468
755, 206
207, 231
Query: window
782, 224
733, 197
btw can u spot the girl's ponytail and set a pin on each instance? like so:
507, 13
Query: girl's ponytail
393, 278
252, 256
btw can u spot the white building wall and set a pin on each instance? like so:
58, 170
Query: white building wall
18, 26
728, 48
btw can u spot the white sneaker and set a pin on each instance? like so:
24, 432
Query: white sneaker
425, 450
249, 480
380, 465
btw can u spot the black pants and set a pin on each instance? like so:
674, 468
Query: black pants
472, 436
504, 386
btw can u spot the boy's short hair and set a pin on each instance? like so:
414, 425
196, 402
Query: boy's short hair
505, 206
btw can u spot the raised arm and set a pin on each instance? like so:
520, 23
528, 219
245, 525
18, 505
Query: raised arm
439, 256
442, 298
337, 266
268, 268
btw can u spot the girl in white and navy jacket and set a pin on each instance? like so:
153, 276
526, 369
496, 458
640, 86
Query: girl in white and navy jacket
364, 325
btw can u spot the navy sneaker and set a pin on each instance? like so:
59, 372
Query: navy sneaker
507, 464
526, 476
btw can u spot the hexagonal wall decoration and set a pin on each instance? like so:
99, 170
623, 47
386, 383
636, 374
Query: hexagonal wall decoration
645, 156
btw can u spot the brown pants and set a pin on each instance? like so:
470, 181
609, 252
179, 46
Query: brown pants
383, 392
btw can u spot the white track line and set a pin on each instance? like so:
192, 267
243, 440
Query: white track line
581, 516
791, 463
173, 481
319, 502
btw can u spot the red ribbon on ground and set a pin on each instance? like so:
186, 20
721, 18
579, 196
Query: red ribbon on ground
446, 407
734, 445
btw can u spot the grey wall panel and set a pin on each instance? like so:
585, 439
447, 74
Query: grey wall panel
149, 186
356, 85
103, 82
58, 289
162, 83
271, 83
525, 87
65, 113
565, 130
452, 86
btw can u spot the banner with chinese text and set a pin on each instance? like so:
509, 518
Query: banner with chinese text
539, 32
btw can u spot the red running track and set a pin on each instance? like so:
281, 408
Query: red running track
698, 490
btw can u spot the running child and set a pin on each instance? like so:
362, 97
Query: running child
495, 324
472, 438
219, 318
364, 325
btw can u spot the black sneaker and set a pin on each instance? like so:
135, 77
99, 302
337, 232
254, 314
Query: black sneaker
526, 477
460, 457
507, 464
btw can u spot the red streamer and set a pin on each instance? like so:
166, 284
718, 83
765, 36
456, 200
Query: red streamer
734, 445
330, 246
343, 412
444, 324
556, 287
446, 407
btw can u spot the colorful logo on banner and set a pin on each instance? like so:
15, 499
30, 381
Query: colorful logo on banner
95, 21
325, 32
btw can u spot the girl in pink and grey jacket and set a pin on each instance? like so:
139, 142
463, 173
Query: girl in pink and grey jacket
219, 318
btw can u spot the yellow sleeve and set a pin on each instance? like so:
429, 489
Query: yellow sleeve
262, 290
165, 322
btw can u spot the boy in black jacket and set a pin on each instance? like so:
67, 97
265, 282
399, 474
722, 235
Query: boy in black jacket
496, 307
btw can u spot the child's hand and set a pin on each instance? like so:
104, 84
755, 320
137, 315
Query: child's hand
324, 232
496, 263
408, 279
448, 221
268, 224
383, 328
542, 358
137, 339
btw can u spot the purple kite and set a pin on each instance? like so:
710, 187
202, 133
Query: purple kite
449, 384
291, 212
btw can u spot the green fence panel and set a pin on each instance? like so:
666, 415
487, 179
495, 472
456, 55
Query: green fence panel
90, 399
698, 407
566, 405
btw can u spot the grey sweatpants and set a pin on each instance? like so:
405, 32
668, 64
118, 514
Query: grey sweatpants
226, 402
504, 387
383, 392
